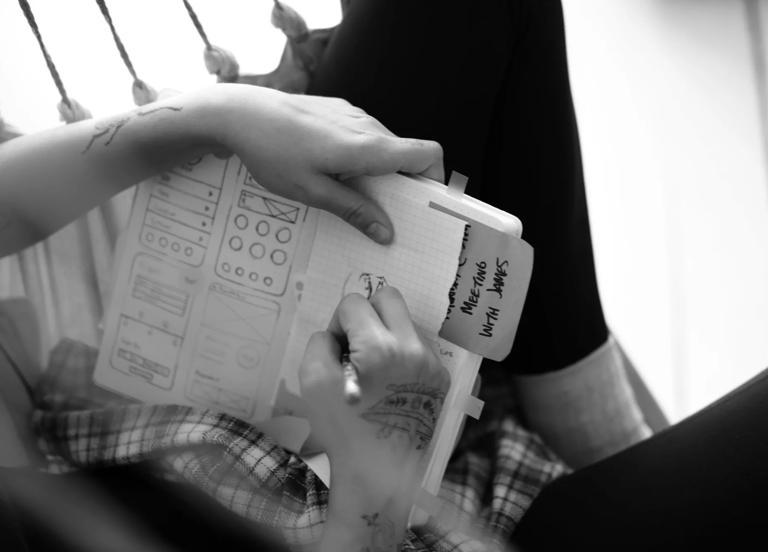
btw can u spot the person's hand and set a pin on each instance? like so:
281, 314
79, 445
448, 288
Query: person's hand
304, 147
377, 444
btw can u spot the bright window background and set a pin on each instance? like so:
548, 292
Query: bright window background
667, 96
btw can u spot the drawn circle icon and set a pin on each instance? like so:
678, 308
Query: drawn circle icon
176, 247
257, 250
163, 241
236, 243
283, 235
241, 221
248, 357
267, 281
150, 237
279, 257
253, 276
262, 228
239, 271
226, 267
188, 251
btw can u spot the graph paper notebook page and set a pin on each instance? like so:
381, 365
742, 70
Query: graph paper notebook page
220, 283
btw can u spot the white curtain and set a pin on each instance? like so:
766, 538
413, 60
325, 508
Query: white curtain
67, 276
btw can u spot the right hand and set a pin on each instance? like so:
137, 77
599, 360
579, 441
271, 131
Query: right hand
403, 387
304, 147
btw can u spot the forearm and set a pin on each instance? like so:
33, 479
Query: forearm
361, 521
50, 178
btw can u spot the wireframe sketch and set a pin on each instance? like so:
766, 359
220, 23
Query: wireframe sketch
153, 320
179, 217
231, 348
260, 241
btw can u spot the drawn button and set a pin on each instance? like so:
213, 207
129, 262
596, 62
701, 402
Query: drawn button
283, 235
279, 257
239, 271
257, 250
253, 276
188, 251
267, 281
248, 357
225, 267
262, 228
176, 247
236, 243
241, 221
163, 241
150, 237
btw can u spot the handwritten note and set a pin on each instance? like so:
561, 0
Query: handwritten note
486, 299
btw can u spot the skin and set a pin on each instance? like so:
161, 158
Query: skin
376, 447
301, 147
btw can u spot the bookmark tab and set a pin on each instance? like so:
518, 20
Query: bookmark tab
473, 406
457, 184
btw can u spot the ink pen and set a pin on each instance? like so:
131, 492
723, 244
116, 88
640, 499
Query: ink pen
351, 380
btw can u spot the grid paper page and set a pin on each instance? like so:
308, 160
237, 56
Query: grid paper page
421, 262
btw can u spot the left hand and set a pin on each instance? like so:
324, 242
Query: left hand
304, 147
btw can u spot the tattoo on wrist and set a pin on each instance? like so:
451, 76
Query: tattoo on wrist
108, 130
411, 409
383, 538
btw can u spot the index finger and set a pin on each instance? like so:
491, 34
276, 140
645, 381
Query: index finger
355, 322
409, 155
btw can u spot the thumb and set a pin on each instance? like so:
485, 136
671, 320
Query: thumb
352, 207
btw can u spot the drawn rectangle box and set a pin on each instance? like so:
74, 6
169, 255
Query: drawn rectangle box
149, 352
178, 214
185, 200
193, 187
240, 314
177, 229
160, 295
268, 206
207, 170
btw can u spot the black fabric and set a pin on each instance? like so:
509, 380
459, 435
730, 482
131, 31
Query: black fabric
124, 508
700, 483
489, 81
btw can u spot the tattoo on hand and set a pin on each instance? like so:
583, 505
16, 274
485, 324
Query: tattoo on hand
382, 533
110, 129
411, 409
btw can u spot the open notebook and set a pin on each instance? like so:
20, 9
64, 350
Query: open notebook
220, 283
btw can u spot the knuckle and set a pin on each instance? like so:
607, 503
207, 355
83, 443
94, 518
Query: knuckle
382, 349
356, 213
414, 352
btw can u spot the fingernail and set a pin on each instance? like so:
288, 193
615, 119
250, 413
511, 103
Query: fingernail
378, 232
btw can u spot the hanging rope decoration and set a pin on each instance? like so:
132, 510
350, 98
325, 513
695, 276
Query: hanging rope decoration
142, 92
303, 50
70, 109
218, 61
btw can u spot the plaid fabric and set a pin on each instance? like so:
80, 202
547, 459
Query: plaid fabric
497, 469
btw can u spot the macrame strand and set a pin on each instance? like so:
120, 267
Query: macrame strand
218, 61
197, 24
70, 109
48, 60
142, 93
118, 41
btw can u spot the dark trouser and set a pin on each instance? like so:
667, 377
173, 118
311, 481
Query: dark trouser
489, 80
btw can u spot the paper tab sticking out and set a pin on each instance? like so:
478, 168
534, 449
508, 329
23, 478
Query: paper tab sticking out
473, 407
487, 298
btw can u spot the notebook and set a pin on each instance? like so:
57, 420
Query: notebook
220, 283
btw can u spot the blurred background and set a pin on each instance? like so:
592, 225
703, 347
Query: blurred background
671, 98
